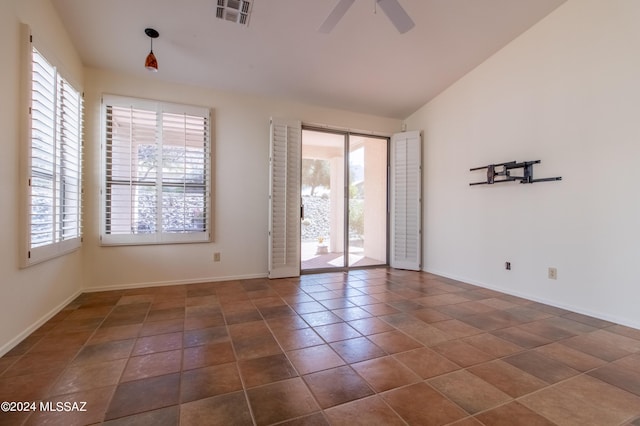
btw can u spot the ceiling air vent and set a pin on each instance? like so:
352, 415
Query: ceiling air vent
237, 11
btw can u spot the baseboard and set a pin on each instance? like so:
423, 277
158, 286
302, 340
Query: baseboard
174, 282
572, 308
20, 337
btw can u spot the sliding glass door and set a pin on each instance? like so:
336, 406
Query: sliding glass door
344, 200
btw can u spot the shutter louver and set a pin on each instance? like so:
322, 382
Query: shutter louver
406, 201
284, 197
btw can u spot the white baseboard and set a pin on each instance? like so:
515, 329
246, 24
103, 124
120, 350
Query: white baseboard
13, 342
174, 282
572, 308
20, 337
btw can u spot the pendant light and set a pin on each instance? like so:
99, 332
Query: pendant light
151, 63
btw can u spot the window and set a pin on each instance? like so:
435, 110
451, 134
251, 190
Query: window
53, 162
156, 187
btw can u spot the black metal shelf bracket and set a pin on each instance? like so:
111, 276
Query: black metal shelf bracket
503, 172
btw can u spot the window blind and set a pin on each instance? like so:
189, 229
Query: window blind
55, 156
156, 172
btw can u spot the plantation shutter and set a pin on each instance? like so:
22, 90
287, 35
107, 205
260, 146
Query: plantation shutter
185, 171
131, 171
157, 172
284, 198
43, 152
406, 201
69, 135
55, 193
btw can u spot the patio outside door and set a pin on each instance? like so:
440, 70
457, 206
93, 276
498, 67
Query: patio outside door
344, 200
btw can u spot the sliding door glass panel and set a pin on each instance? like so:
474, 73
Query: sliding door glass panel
367, 201
323, 217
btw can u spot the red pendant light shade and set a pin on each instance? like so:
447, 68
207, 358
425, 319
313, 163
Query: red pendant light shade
151, 63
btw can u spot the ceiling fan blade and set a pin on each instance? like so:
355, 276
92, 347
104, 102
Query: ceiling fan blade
396, 15
335, 16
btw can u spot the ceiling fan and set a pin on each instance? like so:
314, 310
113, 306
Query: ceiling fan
396, 14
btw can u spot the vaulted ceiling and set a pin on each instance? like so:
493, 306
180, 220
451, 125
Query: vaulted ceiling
364, 65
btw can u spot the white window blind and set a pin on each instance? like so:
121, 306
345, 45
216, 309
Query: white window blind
156, 186
54, 163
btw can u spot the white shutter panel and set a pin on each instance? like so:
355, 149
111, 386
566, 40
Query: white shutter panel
44, 172
131, 152
156, 172
284, 198
69, 134
54, 160
185, 165
406, 201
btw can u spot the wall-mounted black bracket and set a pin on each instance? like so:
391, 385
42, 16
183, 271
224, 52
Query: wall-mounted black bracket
503, 170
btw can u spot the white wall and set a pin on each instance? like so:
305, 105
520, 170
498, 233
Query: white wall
27, 296
241, 145
567, 93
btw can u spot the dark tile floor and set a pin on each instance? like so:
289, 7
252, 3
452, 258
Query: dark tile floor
371, 347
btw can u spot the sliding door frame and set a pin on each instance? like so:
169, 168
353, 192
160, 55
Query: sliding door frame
347, 134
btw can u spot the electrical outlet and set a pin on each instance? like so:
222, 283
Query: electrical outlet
553, 273
216, 256
507, 266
